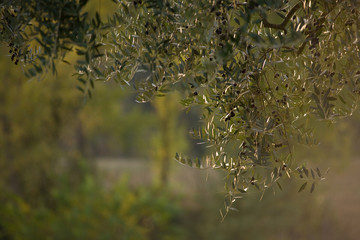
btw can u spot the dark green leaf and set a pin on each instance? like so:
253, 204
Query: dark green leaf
80, 89
312, 174
312, 187
302, 187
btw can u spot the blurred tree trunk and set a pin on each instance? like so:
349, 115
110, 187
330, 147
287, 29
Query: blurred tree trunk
167, 111
6, 144
166, 148
80, 138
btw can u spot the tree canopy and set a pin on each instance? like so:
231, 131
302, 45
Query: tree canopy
261, 70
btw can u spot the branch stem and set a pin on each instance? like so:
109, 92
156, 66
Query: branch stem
285, 21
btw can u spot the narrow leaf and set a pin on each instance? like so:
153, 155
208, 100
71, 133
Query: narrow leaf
80, 89
312, 187
302, 187
318, 172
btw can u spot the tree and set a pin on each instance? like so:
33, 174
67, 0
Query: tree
261, 70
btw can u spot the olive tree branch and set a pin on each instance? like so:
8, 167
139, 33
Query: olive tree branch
284, 22
57, 33
320, 21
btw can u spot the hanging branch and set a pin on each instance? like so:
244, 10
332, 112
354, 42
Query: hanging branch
286, 20
315, 32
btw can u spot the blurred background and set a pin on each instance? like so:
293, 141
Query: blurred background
104, 169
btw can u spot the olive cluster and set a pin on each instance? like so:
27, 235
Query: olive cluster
329, 74
229, 116
252, 181
313, 44
276, 117
349, 22
311, 31
243, 151
252, 4
222, 23
148, 26
14, 50
217, 5
356, 91
282, 100
281, 169
137, 2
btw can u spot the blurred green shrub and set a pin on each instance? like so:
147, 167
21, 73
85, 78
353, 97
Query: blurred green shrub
47, 141
92, 212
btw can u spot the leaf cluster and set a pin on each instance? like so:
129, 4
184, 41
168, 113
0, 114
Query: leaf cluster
39, 33
261, 70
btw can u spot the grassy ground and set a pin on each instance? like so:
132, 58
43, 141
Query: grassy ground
342, 193
332, 212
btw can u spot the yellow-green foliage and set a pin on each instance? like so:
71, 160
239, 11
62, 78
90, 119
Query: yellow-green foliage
33, 116
91, 212
47, 190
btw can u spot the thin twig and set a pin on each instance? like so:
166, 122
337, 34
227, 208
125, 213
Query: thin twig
321, 20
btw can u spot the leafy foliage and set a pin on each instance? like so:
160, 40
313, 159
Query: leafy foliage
261, 70
48, 143
40, 32
93, 213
